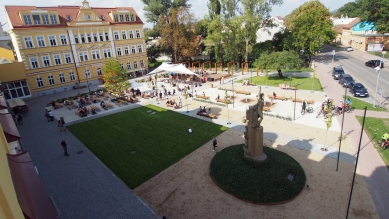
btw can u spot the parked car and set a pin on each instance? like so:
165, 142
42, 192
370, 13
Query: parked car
374, 63
349, 49
345, 80
336, 71
358, 90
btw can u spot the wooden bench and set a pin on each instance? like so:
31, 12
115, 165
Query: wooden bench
300, 100
266, 109
202, 97
251, 84
212, 116
170, 105
242, 92
270, 96
223, 101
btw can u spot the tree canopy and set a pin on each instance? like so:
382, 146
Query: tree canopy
376, 11
154, 9
115, 78
351, 9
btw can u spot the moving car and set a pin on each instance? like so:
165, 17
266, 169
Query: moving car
374, 63
345, 80
358, 90
336, 72
349, 49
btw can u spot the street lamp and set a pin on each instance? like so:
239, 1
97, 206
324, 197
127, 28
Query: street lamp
156, 87
251, 73
87, 74
294, 112
233, 97
378, 68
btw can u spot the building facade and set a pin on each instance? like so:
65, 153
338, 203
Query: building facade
266, 32
66, 46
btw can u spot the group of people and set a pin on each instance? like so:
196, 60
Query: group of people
174, 103
245, 82
204, 111
283, 86
385, 140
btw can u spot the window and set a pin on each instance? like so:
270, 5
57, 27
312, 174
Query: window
101, 37
131, 33
76, 38
129, 65
133, 49
64, 40
16, 90
95, 54
132, 17
116, 35
57, 59
28, 42
46, 61
41, 41
137, 33
142, 63
88, 18
89, 37
124, 35
27, 19
99, 72
121, 18
53, 19
45, 19
72, 76
34, 62
106, 37
36, 19
126, 50
127, 18
87, 73
119, 51
69, 17
51, 80
95, 37
83, 56
68, 58
115, 18
107, 53
39, 82
53, 41
62, 78
82, 38
140, 49
135, 64
122, 66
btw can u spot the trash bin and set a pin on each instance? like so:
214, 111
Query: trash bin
211, 85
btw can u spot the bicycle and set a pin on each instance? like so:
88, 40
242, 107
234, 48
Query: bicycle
308, 109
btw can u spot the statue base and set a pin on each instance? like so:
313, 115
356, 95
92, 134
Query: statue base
254, 145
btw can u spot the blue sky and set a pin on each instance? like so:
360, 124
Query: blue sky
199, 7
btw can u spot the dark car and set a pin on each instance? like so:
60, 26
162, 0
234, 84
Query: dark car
374, 63
358, 90
345, 80
336, 72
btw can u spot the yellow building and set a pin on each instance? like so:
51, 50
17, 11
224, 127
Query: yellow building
64, 46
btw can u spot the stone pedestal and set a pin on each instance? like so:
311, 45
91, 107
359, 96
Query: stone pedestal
254, 147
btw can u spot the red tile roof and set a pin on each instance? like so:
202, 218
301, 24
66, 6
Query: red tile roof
63, 11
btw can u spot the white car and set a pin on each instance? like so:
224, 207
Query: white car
349, 49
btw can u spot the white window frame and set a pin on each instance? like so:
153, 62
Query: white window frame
53, 39
39, 82
101, 37
124, 34
82, 38
133, 49
46, 60
131, 34
76, 39
119, 51
129, 66
99, 71
138, 35
36, 21
34, 60
51, 80
68, 58
72, 76
28, 42
27, 19
132, 17
83, 56
116, 35
142, 63
107, 53
126, 50
127, 17
57, 59
96, 54
122, 66
53, 19
115, 18
45, 18
88, 17
87, 73
135, 64
64, 39
62, 78
88, 38
41, 40
95, 37
140, 48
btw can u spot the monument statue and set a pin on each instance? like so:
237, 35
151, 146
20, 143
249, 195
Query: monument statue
253, 134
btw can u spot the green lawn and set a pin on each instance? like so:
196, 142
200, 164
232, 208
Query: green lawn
375, 128
359, 104
305, 83
159, 139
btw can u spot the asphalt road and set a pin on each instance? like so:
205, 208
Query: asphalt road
357, 69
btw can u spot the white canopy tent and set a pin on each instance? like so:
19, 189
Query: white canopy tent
175, 68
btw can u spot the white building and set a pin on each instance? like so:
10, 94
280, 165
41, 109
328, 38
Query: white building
267, 33
4, 38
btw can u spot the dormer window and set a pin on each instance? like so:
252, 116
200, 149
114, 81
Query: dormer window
115, 18
45, 18
121, 18
69, 17
53, 19
127, 18
102, 17
27, 19
36, 18
88, 17
132, 17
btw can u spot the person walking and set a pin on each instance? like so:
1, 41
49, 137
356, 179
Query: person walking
61, 124
303, 106
214, 143
65, 148
51, 115
179, 102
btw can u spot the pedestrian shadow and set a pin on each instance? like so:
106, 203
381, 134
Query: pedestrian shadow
303, 144
342, 156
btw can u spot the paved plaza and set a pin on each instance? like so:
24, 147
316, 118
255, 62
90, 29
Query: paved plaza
83, 187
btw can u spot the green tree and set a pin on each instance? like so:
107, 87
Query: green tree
115, 78
214, 9
376, 11
351, 9
153, 52
201, 28
154, 9
311, 27
214, 40
150, 33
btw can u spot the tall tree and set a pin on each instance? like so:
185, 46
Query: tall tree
351, 9
154, 9
311, 27
215, 38
214, 9
115, 78
376, 11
